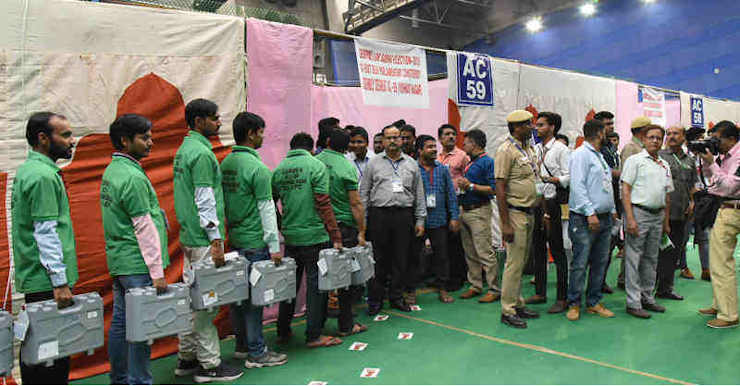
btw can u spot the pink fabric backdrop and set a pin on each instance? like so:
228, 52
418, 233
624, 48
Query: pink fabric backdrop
628, 108
345, 103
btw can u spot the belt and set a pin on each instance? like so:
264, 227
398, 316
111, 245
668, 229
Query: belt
524, 209
649, 210
476, 205
731, 205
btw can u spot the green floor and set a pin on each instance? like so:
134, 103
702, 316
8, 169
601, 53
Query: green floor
465, 343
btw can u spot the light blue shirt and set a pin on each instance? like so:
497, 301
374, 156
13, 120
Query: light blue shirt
591, 189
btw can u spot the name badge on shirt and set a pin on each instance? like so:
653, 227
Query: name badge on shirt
397, 184
431, 201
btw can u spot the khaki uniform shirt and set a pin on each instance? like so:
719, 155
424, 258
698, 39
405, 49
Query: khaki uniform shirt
630, 149
517, 165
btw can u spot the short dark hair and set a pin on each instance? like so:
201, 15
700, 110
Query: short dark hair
326, 125
359, 130
655, 127
389, 127
552, 119
199, 108
245, 123
39, 123
378, 135
128, 125
338, 141
564, 138
601, 115
592, 128
477, 136
422, 139
442, 128
399, 123
727, 129
409, 128
613, 134
301, 141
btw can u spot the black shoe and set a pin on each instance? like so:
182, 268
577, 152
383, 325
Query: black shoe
638, 313
526, 313
606, 289
217, 374
513, 321
400, 305
373, 309
669, 295
655, 307
186, 367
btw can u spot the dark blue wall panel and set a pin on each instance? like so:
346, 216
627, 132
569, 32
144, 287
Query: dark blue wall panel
670, 43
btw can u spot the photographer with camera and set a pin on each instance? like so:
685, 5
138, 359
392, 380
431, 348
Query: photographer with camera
723, 175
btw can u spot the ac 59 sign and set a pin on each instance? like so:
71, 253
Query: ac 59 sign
474, 80
697, 112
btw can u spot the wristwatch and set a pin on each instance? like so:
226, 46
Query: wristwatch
471, 187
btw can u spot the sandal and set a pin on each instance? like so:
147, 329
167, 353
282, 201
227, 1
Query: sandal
356, 329
324, 341
445, 297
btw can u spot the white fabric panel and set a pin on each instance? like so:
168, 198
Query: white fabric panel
686, 109
716, 110
569, 94
491, 120
80, 57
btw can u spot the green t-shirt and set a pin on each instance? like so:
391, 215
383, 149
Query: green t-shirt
296, 180
39, 195
126, 193
342, 178
246, 180
196, 166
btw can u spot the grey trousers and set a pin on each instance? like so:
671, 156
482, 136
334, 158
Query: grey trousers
641, 258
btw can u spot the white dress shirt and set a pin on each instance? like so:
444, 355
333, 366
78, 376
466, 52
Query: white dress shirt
360, 165
553, 157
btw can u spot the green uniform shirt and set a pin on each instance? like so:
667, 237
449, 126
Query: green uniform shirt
125, 193
196, 166
296, 180
39, 195
246, 181
342, 178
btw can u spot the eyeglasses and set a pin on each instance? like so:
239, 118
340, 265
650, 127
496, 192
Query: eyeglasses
654, 138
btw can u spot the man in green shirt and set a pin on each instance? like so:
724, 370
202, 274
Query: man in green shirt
43, 238
301, 182
350, 215
250, 214
135, 241
199, 206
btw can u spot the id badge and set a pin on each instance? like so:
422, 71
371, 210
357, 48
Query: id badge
607, 184
431, 201
397, 184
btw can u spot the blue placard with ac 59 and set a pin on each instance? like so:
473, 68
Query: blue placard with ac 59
697, 112
474, 80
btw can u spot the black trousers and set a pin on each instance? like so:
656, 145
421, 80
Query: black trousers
347, 296
391, 229
458, 265
538, 252
57, 373
670, 259
440, 262
555, 241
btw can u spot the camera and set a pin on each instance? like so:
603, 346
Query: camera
700, 147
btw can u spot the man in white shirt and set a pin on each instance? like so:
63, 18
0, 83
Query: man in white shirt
553, 160
646, 182
358, 153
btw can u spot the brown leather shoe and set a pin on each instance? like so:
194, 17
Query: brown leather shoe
489, 297
705, 275
708, 311
535, 299
686, 274
719, 323
638, 313
574, 313
600, 310
470, 293
558, 307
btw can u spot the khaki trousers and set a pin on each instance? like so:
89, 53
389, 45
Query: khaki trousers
202, 342
722, 264
479, 253
516, 257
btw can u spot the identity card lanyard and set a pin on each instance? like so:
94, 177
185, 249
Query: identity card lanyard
532, 164
431, 196
396, 180
607, 182
359, 169
683, 165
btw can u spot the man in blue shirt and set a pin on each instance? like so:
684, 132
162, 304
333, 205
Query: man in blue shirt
442, 209
479, 184
591, 206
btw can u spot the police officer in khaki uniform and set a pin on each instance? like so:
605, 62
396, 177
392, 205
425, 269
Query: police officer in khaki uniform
516, 194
